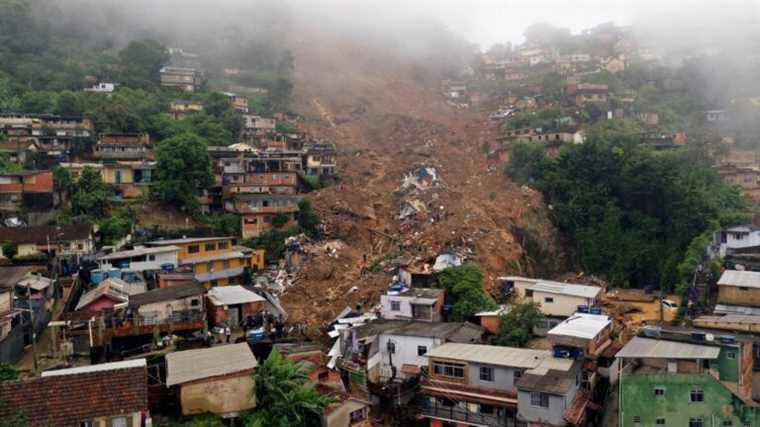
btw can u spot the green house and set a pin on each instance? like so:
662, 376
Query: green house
686, 378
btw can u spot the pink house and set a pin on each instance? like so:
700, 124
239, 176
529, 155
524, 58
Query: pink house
105, 296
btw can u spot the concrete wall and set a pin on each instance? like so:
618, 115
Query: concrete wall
220, 395
735, 295
551, 415
637, 399
161, 310
148, 264
563, 305
504, 377
406, 352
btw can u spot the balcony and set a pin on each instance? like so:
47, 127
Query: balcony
454, 413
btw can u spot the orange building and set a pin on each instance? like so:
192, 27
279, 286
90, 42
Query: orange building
215, 261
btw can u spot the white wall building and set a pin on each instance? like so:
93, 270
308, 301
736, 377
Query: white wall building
141, 258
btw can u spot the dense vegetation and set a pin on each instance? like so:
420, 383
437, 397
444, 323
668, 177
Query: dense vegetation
631, 212
464, 291
516, 327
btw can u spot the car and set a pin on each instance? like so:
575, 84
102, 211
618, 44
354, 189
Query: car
669, 304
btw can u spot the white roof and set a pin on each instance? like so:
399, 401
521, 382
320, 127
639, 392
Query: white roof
139, 251
581, 325
744, 279
231, 295
503, 309
566, 289
124, 364
191, 365
35, 282
491, 354
552, 363
648, 348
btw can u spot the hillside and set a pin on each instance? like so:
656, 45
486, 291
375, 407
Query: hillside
387, 118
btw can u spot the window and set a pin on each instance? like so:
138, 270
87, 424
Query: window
222, 245
151, 257
696, 395
453, 370
119, 422
395, 305
636, 419
210, 246
210, 266
727, 424
659, 391
486, 374
730, 355
516, 375
696, 422
195, 302
86, 423
226, 264
539, 399
529, 293
548, 300
358, 415
660, 421
486, 409
421, 350
193, 249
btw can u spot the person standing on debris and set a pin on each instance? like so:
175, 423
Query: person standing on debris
228, 333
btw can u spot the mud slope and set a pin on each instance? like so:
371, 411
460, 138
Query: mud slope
387, 118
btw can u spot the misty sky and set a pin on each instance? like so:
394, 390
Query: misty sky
490, 21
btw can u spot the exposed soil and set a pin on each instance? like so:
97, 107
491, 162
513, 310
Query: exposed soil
386, 121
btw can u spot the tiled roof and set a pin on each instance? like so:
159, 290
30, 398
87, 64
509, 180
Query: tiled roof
40, 235
67, 400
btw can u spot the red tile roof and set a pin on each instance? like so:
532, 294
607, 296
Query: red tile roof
66, 400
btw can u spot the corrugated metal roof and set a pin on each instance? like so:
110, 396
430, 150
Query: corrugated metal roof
745, 279
566, 289
736, 309
125, 364
491, 354
191, 365
581, 325
640, 347
138, 252
231, 295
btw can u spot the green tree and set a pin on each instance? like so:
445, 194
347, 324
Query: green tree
286, 397
464, 290
526, 162
10, 250
39, 102
141, 63
279, 220
69, 104
91, 194
307, 219
183, 171
62, 179
117, 226
516, 327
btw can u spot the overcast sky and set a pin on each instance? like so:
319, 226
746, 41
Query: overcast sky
492, 21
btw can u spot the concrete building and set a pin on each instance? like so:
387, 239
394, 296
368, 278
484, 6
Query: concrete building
561, 299
424, 304
123, 146
736, 238
168, 305
217, 380
551, 394
182, 78
142, 258
739, 288
475, 384
686, 377
581, 334
232, 304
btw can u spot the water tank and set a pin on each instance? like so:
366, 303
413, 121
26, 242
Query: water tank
167, 267
582, 309
595, 310
728, 339
114, 272
98, 276
651, 331
698, 336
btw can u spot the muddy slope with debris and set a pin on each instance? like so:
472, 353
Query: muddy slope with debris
415, 182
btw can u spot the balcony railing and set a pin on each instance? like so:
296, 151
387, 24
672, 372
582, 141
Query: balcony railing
454, 413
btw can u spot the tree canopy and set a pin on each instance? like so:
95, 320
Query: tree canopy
183, 170
464, 290
516, 327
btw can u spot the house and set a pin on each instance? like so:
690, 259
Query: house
73, 240
219, 379
682, 376
43, 139
320, 160
736, 238
101, 88
424, 304
739, 288
258, 211
38, 286
181, 78
491, 320
748, 178
179, 109
107, 295
30, 190
582, 93
614, 65
551, 394
347, 412
475, 384
169, 305
395, 350
129, 178
561, 299
174, 278
142, 258
716, 116
258, 123
123, 146
239, 103
232, 304
516, 284
214, 260
108, 394
581, 334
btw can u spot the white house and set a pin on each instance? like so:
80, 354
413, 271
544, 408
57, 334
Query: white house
416, 303
142, 258
561, 299
738, 237
102, 88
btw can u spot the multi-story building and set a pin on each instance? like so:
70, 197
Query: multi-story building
141, 258
180, 78
129, 179
123, 146
239, 103
46, 134
180, 109
320, 160
424, 304
32, 190
215, 261
686, 377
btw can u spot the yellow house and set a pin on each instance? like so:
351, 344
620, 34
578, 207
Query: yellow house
215, 261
